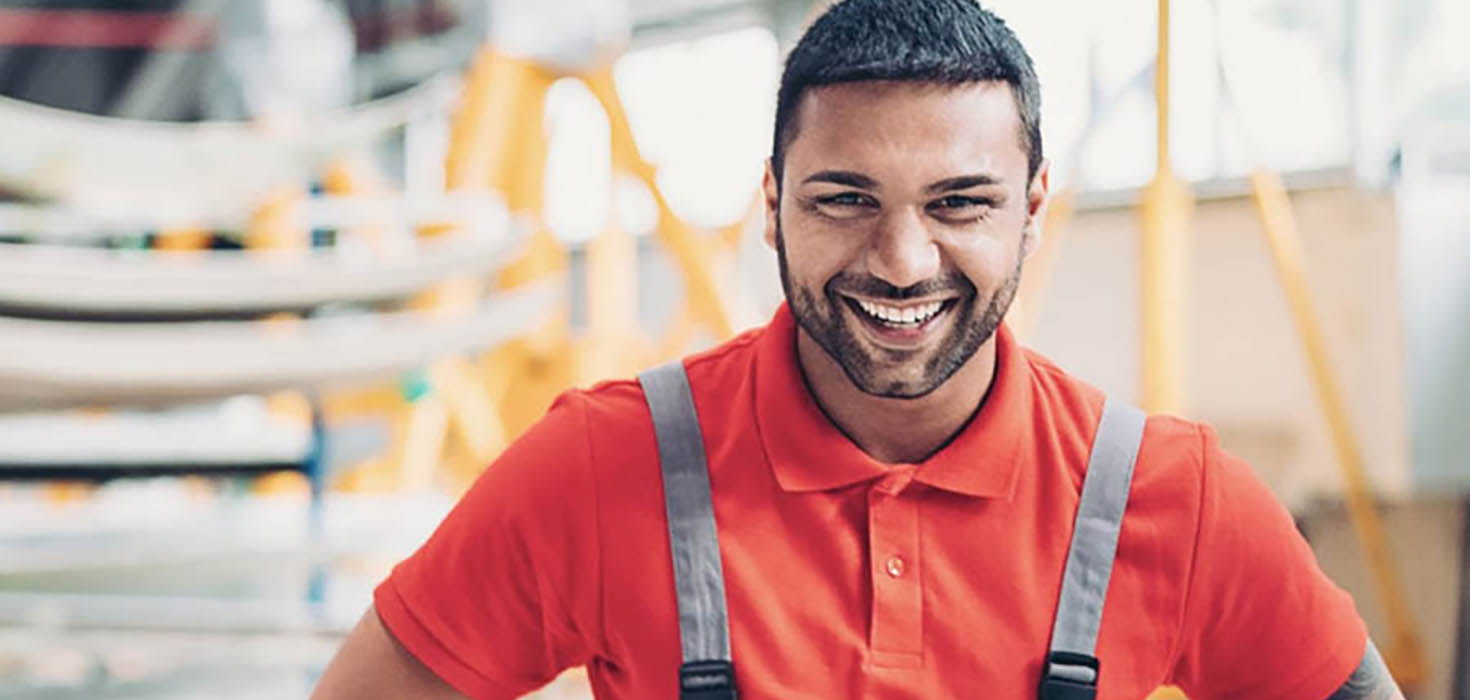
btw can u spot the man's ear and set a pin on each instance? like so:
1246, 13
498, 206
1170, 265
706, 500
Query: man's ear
1036, 201
773, 203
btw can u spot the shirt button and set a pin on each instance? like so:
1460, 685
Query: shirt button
894, 566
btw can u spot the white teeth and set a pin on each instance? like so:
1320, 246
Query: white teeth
909, 315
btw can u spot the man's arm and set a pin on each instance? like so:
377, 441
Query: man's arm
504, 595
372, 665
1370, 682
1262, 620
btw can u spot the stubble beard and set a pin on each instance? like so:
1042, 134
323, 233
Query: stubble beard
822, 319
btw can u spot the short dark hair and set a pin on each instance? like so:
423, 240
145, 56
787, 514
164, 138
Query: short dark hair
946, 42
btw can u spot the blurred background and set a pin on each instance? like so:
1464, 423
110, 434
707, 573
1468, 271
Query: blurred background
278, 278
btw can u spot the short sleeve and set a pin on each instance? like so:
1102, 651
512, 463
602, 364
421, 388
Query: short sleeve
1261, 620
504, 595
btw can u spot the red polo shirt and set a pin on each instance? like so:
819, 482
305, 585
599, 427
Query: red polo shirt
851, 578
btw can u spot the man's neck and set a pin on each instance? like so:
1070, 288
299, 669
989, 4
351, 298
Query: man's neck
896, 430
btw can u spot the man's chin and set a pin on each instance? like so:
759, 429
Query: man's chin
877, 375
904, 390
871, 367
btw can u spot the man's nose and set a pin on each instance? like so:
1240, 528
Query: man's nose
903, 253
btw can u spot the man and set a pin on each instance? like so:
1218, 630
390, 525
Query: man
894, 482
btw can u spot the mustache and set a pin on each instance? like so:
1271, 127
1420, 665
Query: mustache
873, 287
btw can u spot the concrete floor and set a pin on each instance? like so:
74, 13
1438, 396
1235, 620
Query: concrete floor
1425, 538
161, 589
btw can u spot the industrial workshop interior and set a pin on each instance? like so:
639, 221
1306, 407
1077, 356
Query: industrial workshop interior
279, 279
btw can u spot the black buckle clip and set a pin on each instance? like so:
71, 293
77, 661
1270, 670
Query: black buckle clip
1069, 676
707, 680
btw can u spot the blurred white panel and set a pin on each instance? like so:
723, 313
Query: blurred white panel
1059, 50
187, 171
663, 9
239, 430
59, 363
572, 35
702, 112
1434, 210
1288, 80
637, 212
1286, 52
66, 279
578, 164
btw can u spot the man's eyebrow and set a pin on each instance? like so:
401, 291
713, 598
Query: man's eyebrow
962, 182
843, 177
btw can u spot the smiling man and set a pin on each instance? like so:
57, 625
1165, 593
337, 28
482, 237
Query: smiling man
879, 494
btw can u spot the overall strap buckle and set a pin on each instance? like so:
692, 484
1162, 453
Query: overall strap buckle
1069, 676
707, 680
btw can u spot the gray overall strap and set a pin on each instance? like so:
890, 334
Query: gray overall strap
1072, 667
699, 581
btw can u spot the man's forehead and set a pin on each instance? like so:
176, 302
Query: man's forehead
973, 124
872, 90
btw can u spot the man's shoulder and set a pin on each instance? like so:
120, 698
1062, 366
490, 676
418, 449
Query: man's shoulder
1173, 455
613, 414
618, 404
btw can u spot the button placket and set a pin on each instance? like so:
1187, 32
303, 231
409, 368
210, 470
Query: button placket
896, 637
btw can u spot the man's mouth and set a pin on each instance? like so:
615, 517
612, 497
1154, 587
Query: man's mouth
901, 323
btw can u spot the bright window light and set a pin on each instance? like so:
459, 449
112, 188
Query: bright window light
702, 112
579, 163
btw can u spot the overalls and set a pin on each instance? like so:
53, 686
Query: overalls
1071, 669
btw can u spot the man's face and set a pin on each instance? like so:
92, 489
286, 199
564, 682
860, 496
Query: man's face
901, 224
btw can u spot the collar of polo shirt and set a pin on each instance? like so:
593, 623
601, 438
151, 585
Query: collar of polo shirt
808, 453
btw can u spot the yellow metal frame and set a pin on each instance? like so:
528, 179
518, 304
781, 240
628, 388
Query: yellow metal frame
1167, 211
1405, 651
498, 143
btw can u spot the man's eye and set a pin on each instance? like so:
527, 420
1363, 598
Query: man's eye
960, 202
845, 199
